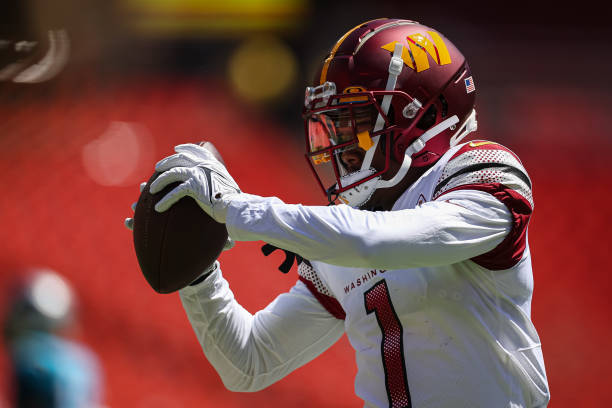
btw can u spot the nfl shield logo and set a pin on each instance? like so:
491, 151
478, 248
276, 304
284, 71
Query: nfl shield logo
469, 85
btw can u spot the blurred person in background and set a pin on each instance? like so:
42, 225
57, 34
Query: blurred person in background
48, 368
425, 263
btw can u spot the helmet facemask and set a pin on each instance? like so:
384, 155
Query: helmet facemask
339, 134
348, 127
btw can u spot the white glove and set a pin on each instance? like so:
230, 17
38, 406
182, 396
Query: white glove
129, 224
204, 178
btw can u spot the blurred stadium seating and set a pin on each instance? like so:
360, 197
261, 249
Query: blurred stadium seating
67, 186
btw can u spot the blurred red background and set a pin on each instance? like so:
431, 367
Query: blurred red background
73, 152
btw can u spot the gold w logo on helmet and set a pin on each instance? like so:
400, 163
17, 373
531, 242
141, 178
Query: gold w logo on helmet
415, 55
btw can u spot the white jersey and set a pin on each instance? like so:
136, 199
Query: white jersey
434, 295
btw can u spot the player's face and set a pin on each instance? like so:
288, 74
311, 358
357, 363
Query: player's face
353, 158
339, 126
337, 133
335, 136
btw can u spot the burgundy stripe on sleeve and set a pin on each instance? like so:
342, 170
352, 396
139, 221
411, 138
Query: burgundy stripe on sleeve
510, 251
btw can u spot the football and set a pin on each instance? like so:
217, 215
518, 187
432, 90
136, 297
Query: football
174, 247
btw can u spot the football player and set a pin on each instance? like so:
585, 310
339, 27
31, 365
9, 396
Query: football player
425, 263
48, 367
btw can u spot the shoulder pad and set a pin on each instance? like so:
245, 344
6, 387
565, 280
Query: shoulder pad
482, 162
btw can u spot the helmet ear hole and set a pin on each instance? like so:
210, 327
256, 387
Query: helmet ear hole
444, 105
428, 119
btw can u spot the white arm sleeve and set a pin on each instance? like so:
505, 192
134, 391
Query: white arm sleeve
251, 352
462, 225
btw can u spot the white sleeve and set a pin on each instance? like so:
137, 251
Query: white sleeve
462, 225
250, 352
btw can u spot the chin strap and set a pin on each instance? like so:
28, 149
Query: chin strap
415, 147
358, 195
395, 69
421, 141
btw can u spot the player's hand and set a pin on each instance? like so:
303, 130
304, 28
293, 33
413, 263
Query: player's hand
187, 155
203, 177
129, 223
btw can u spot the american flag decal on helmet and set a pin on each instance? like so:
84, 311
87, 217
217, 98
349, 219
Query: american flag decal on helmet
469, 85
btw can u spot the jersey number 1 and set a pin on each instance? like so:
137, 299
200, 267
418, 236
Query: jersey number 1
378, 301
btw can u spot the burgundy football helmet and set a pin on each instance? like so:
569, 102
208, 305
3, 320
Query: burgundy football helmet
391, 82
